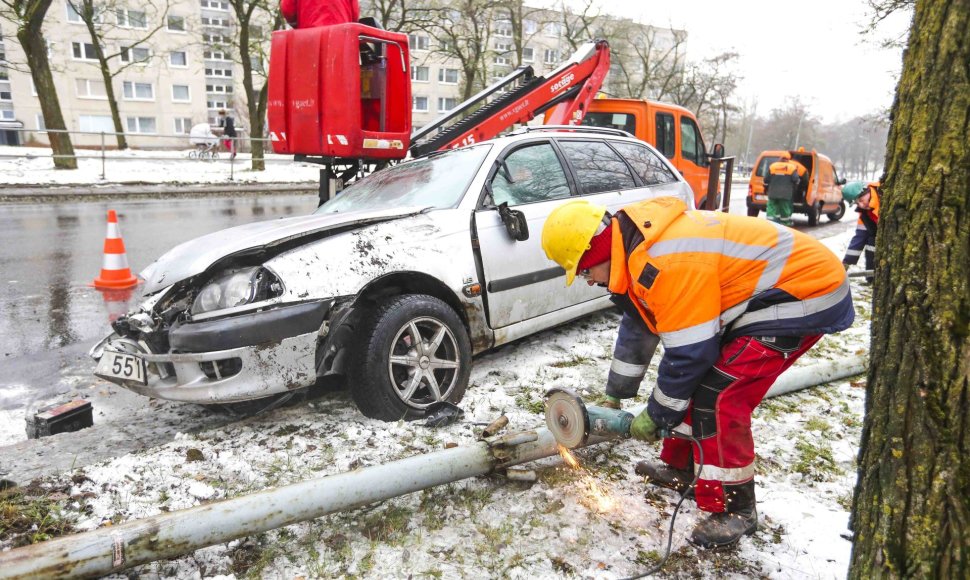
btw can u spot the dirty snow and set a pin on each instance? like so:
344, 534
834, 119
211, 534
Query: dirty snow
34, 166
490, 527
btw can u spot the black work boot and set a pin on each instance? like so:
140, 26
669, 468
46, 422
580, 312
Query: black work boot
725, 529
666, 476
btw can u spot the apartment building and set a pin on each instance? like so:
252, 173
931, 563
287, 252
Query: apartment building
177, 68
174, 69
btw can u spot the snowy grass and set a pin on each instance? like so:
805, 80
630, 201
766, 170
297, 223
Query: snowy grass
32, 166
491, 527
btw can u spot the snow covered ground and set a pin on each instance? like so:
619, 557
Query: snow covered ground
557, 527
34, 166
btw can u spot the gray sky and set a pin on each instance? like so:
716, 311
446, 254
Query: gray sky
816, 53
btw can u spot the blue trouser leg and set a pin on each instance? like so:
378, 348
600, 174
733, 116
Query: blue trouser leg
856, 246
635, 345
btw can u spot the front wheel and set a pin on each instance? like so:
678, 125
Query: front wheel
412, 351
837, 214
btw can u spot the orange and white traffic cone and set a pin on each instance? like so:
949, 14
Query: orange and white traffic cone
115, 273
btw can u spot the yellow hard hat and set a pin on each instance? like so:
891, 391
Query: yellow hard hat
568, 231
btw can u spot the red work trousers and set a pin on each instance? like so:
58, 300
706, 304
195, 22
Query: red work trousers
720, 415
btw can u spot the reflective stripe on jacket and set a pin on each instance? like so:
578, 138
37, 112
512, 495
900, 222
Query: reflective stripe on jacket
700, 277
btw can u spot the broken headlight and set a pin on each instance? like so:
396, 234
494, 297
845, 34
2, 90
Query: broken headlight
236, 288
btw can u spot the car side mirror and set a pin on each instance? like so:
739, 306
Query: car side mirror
515, 223
717, 150
841, 181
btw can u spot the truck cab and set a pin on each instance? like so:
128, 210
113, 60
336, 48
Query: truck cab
672, 129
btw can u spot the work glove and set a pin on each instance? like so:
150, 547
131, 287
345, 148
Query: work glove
644, 429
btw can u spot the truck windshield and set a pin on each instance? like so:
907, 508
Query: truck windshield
622, 121
438, 181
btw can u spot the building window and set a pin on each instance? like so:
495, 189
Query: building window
138, 54
420, 104
217, 104
418, 42
182, 125
90, 89
214, 55
420, 74
180, 94
39, 119
176, 23
6, 112
503, 28
218, 88
529, 26
220, 22
550, 56
256, 64
218, 72
72, 15
96, 123
528, 54
552, 28
138, 91
5, 92
145, 125
215, 38
215, 5
128, 18
446, 103
83, 51
178, 58
448, 76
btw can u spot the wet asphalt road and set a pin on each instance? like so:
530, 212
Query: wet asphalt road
49, 255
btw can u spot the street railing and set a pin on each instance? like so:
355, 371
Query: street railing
105, 148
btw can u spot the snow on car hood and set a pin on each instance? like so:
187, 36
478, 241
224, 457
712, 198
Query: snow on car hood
195, 256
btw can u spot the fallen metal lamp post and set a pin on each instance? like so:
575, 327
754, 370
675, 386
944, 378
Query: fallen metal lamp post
168, 535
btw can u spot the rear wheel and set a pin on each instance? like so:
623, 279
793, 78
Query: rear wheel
412, 351
837, 215
812, 211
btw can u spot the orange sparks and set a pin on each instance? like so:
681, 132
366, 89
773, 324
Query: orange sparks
568, 457
602, 500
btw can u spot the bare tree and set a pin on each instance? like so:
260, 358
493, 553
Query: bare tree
103, 33
28, 17
579, 26
463, 31
253, 18
648, 62
523, 22
399, 15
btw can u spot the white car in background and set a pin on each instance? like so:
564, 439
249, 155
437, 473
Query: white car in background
393, 285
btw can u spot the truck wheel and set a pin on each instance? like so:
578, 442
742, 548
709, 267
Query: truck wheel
812, 212
412, 351
837, 215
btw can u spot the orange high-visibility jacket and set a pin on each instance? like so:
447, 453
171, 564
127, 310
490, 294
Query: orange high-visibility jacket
783, 178
873, 212
700, 277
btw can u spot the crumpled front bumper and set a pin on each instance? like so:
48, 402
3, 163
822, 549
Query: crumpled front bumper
222, 368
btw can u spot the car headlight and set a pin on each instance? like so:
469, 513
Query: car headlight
235, 288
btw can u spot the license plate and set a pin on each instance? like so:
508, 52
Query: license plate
121, 365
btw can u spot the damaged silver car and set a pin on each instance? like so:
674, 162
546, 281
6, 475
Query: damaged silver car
393, 285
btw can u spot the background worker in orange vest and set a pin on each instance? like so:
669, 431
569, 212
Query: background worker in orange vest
312, 13
735, 301
783, 179
867, 204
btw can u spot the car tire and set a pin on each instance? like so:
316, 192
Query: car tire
384, 376
837, 215
812, 212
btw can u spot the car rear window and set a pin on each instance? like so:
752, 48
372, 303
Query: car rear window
763, 165
597, 167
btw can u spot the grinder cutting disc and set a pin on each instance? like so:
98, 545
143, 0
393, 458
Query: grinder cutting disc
566, 417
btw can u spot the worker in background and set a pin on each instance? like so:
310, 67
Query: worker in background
312, 13
735, 301
866, 198
781, 183
228, 125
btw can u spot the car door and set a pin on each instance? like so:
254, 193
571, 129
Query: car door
693, 161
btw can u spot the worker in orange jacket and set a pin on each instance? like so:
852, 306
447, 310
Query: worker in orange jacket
864, 240
782, 182
735, 301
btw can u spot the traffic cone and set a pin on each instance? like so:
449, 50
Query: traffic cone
115, 273
116, 302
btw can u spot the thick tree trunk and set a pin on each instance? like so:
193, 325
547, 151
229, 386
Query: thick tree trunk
35, 51
911, 512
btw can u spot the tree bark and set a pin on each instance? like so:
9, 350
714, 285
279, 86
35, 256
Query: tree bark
35, 50
911, 510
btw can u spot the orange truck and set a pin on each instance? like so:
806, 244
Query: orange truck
672, 129
820, 194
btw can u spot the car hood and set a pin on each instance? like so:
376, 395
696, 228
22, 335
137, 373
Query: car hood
195, 256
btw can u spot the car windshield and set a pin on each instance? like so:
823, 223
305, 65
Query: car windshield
438, 181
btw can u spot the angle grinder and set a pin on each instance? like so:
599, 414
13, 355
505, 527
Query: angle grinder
572, 423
